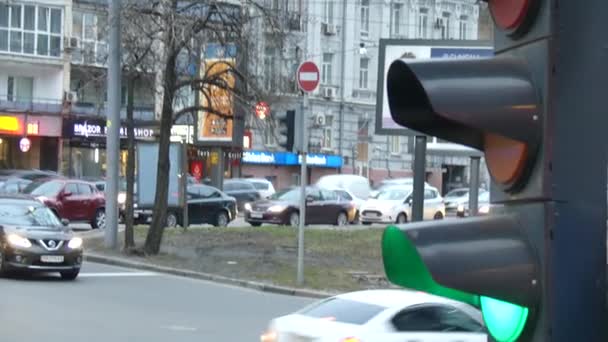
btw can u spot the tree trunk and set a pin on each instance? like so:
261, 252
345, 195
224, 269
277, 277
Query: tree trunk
157, 227
129, 236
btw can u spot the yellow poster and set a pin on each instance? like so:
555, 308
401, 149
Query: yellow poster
216, 125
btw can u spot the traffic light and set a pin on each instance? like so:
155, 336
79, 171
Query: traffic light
518, 264
286, 129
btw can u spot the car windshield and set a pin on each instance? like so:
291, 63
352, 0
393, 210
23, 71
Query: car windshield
24, 215
287, 195
393, 194
260, 185
457, 193
51, 188
343, 310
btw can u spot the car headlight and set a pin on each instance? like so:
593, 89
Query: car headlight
19, 241
276, 208
484, 209
122, 198
75, 243
461, 207
269, 336
247, 206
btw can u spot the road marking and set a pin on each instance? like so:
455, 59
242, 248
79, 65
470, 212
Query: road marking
178, 328
118, 274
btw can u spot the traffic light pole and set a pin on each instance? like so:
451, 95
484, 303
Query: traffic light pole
419, 178
303, 177
474, 187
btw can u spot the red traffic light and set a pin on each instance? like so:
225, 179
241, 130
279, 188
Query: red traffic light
262, 110
512, 16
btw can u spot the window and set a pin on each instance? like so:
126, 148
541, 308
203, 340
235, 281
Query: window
269, 137
315, 194
453, 319
429, 194
364, 18
326, 73
270, 67
209, 192
90, 29
31, 30
84, 189
71, 188
329, 195
396, 19
363, 73
20, 89
394, 144
328, 12
445, 26
462, 27
423, 23
343, 195
343, 310
327, 133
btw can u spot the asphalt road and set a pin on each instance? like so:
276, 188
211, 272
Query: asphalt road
115, 304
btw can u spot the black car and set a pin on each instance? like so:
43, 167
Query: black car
322, 207
33, 239
206, 205
242, 190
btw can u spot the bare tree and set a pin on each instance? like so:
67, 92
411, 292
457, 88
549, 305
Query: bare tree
168, 36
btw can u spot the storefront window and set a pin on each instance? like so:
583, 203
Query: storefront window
89, 162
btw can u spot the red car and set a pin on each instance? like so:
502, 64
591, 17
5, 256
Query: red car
75, 200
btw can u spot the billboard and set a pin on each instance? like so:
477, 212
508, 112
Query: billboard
216, 126
147, 160
393, 49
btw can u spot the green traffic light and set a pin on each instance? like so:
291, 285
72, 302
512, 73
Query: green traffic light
405, 267
505, 321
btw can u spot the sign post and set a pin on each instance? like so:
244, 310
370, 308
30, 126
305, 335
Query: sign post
308, 76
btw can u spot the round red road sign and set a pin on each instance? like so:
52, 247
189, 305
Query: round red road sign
513, 16
262, 109
308, 76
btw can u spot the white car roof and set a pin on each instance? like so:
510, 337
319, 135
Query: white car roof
393, 298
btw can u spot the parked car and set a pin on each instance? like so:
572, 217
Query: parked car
322, 207
242, 190
456, 197
74, 200
122, 193
483, 205
392, 182
348, 196
33, 239
357, 186
394, 205
13, 185
31, 175
380, 315
264, 186
206, 205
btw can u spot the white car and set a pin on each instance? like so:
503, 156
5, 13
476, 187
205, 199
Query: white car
263, 186
380, 316
346, 195
393, 205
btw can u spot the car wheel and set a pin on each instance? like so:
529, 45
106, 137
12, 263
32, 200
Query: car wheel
221, 219
438, 216
401, 218
99, 220
171, 220
69, 275
255, 224
342, 219
3, 265
294, 219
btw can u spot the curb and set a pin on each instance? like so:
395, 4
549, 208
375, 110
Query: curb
262, 287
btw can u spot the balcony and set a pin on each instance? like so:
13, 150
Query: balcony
33, 105
141, 112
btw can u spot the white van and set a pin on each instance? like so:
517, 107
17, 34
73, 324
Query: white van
356, 185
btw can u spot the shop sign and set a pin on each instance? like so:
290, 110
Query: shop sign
291, 159
98, 129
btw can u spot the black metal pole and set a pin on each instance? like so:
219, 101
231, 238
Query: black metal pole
419, 178
474, 187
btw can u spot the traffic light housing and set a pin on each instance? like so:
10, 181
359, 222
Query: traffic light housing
286, 129
536, 265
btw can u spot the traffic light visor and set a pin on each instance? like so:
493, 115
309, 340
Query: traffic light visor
463, 100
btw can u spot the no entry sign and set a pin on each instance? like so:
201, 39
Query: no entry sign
308, 76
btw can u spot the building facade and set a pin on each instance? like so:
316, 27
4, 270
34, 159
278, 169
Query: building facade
342, 38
